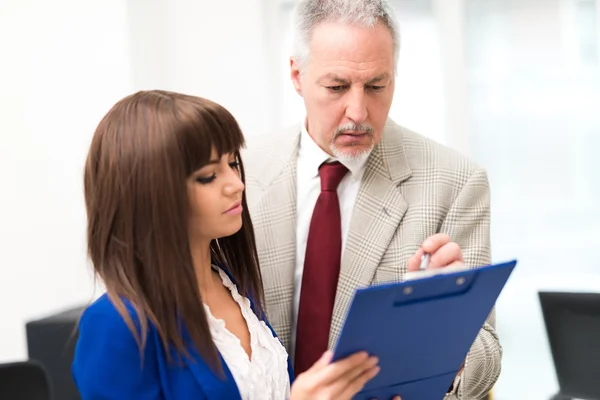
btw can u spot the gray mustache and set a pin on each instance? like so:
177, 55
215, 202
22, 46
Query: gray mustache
368, 129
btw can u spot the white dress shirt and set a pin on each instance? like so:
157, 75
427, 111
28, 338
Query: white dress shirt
308, 188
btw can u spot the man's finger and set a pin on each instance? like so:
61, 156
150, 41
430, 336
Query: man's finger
446, 255
457, 264
415, 261
435, 242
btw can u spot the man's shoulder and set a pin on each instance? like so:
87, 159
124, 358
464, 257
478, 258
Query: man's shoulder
269, 142
266, 154
426, 156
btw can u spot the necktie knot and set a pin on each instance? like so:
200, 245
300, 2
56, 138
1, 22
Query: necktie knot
331, 175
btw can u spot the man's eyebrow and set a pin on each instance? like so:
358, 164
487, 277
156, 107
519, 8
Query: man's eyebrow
343, 81
334, 78
379, 78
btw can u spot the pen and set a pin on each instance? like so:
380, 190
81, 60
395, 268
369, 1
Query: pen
425, 261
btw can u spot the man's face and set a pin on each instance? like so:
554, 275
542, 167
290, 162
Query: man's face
347, 86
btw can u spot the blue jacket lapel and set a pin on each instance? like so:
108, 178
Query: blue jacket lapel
214, 387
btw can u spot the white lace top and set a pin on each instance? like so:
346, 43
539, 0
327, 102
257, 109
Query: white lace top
265, 376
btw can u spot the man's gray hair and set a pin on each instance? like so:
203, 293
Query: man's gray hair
309, 13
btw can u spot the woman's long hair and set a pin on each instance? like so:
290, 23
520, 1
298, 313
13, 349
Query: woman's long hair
141, 155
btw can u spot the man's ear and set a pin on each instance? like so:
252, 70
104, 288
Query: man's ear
295, 75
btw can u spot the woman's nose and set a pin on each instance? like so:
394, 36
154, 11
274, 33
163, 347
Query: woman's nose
234, 184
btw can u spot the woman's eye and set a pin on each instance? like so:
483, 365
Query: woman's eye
205, 180
235, 165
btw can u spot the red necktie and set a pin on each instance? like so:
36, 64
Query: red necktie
321, 271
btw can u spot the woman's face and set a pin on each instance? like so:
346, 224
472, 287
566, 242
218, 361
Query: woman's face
215, 195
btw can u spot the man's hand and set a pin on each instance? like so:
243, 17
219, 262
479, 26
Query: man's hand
444, 253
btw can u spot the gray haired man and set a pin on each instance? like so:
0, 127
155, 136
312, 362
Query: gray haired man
348, 198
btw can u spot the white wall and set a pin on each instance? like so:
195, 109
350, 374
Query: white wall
213, 49
64, 63
61, 69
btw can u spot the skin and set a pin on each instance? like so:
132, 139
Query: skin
212, 191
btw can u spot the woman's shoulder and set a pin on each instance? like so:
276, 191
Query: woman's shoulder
105, 316
108, 361
101, 306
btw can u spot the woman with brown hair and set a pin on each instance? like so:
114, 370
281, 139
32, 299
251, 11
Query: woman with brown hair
170, 236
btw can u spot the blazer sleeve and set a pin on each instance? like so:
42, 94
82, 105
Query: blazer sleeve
108, 364
468, 224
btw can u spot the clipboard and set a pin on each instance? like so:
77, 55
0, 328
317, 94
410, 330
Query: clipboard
421, 330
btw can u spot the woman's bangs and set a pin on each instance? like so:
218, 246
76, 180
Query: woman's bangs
214, 127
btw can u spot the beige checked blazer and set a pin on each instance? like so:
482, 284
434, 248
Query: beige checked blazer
412, 188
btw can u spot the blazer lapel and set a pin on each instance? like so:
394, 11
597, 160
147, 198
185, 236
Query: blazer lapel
213, 386
274, 219
378, 211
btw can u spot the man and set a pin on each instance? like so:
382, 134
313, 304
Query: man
348, 198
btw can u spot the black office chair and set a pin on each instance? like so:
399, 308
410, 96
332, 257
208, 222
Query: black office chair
24, 380
572, 323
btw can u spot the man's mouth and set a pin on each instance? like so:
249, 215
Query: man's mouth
353, 133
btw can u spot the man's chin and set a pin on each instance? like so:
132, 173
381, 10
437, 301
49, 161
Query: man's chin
351, 153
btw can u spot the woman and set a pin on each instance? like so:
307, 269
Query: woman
170, 236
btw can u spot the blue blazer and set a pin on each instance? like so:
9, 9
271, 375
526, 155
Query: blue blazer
107, 363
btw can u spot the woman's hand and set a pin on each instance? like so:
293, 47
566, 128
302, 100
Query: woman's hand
335, 381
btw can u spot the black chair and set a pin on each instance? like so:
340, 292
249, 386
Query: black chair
24, 380
51, 342
572, 323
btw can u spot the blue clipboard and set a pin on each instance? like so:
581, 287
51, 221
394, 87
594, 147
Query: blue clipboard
421, 330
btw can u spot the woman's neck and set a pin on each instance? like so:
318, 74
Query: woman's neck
205, 276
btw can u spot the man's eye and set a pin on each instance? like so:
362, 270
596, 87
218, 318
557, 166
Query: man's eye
336, 89
207, 179
377, 88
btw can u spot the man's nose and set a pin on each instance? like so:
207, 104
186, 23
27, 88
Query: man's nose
356, 109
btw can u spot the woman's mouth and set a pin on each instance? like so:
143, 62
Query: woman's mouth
236, 209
